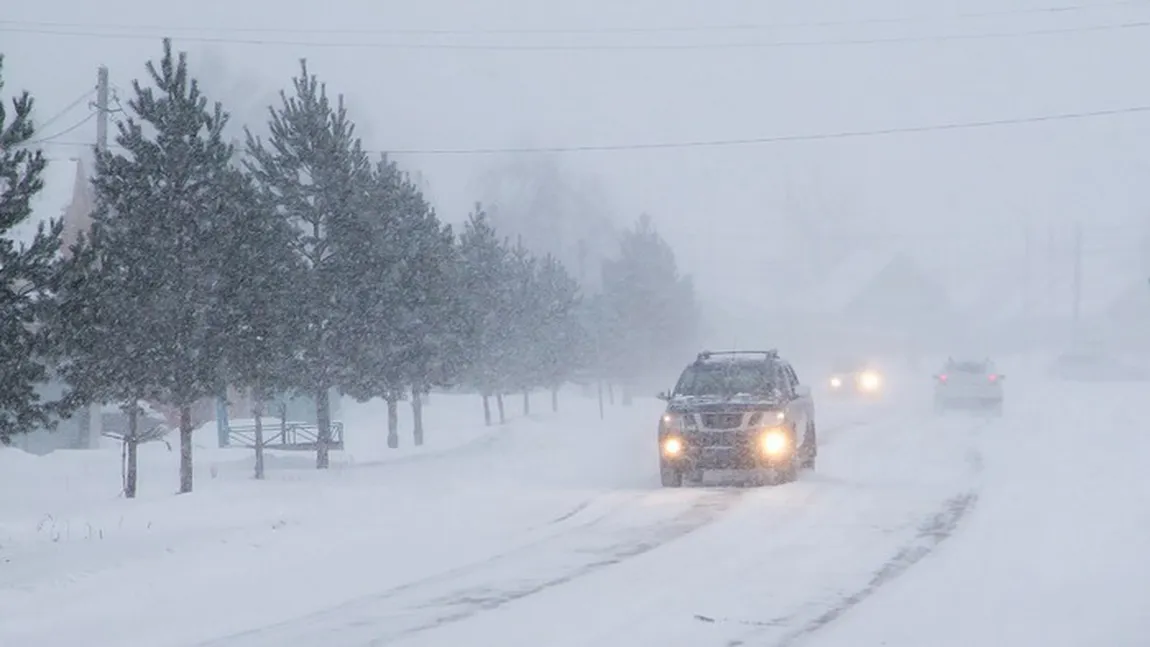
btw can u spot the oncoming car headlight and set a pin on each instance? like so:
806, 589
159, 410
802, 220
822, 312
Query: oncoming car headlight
836, 382
774, 441
672, 447
869, 380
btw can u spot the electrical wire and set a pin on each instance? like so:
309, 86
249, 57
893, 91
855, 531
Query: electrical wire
613, 47
56, 117
416, 31
750, 141
49, 139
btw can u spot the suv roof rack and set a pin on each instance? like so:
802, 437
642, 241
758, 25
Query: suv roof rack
708, 354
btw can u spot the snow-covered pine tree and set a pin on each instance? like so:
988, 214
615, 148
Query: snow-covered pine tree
482, 283
99, 340
160, 207
650, 307
370, 348
313, 169
27, 269
258, 273
428, 339
521, 310
560, 333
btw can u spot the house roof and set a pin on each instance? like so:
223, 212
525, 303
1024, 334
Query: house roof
867, 277
903, 292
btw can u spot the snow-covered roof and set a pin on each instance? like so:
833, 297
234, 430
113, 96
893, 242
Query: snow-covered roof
871, 276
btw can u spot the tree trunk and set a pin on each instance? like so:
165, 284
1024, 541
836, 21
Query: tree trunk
258, 412
392, 422
283, 422
554, 399
323, 433
417, 416
132, 476
526, 402
486, 410
499, 405
131, 445
600, 399
185, 449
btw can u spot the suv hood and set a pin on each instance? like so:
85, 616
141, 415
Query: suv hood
715, 403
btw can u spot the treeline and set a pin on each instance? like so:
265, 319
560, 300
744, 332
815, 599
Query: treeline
299, 263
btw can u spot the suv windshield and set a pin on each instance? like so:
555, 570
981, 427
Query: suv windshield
969, 367
726, 379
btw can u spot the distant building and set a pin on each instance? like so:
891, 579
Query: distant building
871, 301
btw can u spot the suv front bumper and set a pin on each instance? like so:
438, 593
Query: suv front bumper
728, 450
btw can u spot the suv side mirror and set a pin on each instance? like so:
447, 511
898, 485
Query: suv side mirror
803, 391
664, 396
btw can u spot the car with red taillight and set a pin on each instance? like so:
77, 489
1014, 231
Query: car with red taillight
969, 385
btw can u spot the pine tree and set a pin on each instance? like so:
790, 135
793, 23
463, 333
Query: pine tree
560, 332
428, 341
161, 210
650, 310
258, 274
520, 310
483, 263
26, 273
98, 338
313, 169
370, 347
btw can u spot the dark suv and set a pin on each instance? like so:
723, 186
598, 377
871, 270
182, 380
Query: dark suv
737, 410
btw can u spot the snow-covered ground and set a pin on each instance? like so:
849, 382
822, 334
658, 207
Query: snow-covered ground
553, 530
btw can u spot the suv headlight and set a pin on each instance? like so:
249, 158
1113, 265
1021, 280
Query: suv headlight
774, 441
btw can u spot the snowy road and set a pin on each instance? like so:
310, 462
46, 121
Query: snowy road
558, 534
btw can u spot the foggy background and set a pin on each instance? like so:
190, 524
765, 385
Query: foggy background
988, 214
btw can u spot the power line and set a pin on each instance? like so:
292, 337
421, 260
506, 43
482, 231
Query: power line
56, 117
507, 31
69, 129
617, 47
750, 141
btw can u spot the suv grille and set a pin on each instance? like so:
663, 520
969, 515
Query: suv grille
722, 420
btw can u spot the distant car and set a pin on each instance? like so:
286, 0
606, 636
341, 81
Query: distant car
741, 411
855, 378
971, 385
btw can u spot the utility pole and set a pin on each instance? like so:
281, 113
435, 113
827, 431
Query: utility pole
90, 421
102, 109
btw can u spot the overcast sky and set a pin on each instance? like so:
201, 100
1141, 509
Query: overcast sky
960, 199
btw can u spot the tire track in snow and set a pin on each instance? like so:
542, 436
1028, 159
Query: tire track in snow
462, 592
464, 604
932, 532
536, 566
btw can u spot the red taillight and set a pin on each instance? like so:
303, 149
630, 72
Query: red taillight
993, 377
942, 378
